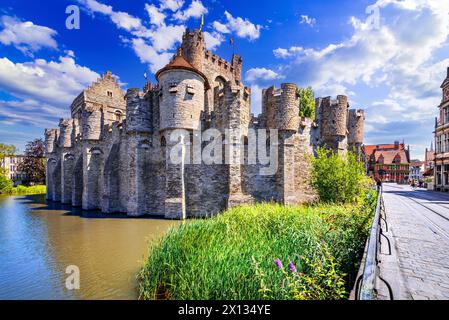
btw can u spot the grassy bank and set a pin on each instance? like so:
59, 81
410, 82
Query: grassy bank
238, 254
22, 190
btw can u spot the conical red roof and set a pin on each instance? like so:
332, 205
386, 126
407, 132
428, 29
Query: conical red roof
179, 63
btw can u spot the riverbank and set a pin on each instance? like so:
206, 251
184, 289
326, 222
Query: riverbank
23, 190
265, 251
40, 239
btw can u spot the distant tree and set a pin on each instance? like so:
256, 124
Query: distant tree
33, 165
5, 182
7, 150
307, 103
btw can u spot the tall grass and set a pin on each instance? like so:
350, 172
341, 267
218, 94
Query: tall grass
232, 255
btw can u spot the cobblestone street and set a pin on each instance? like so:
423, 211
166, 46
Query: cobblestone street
418, 221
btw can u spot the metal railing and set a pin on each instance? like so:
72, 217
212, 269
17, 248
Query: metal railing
366, 284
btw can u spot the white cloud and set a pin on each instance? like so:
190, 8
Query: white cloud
165, 37
213, 39
385, 56
156, 16
396, 69
121, 19
26, 36
151, 45
43, 90
286, 53
243, 28
305, 19
220, 27
173, 5
58, 82
148, 54
255, 74
195, 10
96, 6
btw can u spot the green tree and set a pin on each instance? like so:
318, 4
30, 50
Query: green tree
5, 182
7, 150
307, 103
337, 178
33, 165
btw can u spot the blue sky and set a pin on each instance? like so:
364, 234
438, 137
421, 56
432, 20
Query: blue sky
389, 56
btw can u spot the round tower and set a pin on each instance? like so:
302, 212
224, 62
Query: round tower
92, 119
334, 117
356, 127
288, 112
65, 136
181, 96
193, 48
50, 138
340, 115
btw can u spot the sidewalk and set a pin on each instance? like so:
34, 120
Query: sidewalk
418, 267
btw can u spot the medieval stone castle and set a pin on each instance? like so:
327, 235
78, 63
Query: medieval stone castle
113, 154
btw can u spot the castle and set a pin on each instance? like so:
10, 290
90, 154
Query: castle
114, 153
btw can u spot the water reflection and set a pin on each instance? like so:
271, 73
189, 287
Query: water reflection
38, 240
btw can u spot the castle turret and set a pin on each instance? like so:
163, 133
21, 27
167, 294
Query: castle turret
65, 129
92, 122
237, 63
181, 101
282, 107
356, 126
193, 48
333, 120
50, 140
138, 112
182, 89
289, 108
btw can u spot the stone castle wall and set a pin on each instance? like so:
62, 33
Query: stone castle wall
113, 155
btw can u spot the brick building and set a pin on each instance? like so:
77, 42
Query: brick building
11, 164
388, 162
442, 140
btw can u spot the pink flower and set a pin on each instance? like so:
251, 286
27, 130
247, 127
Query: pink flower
278, 264
292, 267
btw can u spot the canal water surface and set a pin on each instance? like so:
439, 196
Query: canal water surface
39, 240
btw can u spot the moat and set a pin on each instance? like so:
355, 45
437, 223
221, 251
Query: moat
38, 240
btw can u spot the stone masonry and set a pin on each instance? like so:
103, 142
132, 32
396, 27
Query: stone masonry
114, 153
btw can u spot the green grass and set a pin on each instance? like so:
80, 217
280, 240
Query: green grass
23, 190
232, 255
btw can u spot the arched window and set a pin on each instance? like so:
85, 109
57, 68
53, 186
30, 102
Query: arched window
219, 86
163, 142
118, 115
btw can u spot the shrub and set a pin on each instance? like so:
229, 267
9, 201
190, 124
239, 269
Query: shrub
5, 183
339, 179
307, 103
232, 256
23, 190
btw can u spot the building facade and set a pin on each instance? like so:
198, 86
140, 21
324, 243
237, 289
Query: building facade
388, 162
442, 140
115, 154
417, 169
11, 165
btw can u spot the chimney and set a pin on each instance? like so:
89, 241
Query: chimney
396, 144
